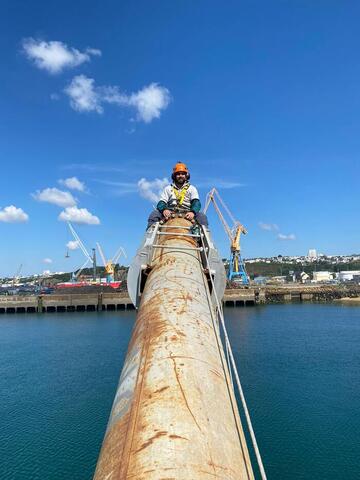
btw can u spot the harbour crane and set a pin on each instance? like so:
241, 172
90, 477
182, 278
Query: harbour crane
89, 259
16, 277
110, 264
237, 269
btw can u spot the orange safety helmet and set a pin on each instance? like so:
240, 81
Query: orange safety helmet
180, 167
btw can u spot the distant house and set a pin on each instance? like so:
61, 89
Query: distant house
322, 276
304, 277
260, 280
278, 279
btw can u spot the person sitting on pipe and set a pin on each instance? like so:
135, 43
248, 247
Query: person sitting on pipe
181, 196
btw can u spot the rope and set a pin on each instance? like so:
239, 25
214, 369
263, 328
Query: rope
234, 368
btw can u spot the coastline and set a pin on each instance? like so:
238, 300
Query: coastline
351, 300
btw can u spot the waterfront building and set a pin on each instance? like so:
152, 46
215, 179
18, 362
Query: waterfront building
312, 254
322, 276
349, 275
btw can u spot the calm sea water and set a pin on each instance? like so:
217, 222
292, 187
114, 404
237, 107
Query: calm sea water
299, 366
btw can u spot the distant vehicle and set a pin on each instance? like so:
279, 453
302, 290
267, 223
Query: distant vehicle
87, 284
27, 290
45, 291
12, 291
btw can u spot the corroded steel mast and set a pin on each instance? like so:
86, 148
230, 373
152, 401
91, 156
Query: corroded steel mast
174, 415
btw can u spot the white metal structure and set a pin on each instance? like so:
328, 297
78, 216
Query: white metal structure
82, 247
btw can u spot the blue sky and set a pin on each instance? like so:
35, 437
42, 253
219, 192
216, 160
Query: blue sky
259, 98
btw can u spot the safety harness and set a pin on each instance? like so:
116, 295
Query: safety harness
180, 194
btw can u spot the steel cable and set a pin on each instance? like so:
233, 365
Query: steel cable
234, 368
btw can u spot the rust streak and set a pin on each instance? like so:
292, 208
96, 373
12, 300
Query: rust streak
159, 390
218, 374
150, 441
183, 393
215, 475
178, 436
188, 357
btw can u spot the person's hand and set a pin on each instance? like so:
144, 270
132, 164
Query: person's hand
190, 216
167, 214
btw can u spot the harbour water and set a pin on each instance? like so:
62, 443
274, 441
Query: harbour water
299, 366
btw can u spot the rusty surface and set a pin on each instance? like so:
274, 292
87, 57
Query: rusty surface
174, 415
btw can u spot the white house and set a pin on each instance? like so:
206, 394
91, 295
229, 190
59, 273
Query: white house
322, 276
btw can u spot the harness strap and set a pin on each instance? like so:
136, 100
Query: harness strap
180, 194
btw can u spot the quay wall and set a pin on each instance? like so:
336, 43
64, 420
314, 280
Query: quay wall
80, 302
237, 297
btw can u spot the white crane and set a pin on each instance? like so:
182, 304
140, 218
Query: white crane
16, 277
82, 247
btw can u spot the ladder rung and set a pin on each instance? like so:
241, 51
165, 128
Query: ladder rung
180, 234
175, 226
174, 247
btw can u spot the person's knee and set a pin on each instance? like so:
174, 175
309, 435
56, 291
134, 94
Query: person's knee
155, 216
201, 218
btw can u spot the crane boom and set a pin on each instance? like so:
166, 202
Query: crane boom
80, 243
77, 275
222, 219
101, 253
16, 276
118, 254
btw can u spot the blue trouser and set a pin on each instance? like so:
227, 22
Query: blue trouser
156, 216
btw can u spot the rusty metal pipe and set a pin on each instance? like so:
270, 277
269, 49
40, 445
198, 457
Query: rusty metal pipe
174, 415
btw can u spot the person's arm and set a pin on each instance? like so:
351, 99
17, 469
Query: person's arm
163, 201
195, 205
161, 206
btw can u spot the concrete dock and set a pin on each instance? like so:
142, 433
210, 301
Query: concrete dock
238, 297
80, 302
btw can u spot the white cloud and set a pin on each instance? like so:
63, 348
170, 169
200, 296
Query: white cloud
78, 215
55, 196
291, 236
149, 102
152, 189
121, 188
112, 94
11, 214
218, 183
73, 183
148, 189
84, 96
47, 260
268, 226
72, 244
94, 51
55, 56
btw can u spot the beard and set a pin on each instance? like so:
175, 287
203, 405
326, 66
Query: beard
179, 182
